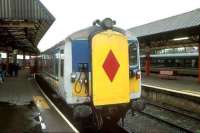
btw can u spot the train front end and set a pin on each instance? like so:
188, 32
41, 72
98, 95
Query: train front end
107, 64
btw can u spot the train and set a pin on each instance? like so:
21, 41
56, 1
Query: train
183, 64
96, 71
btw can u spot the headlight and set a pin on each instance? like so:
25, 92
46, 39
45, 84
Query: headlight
73, 77
138, 74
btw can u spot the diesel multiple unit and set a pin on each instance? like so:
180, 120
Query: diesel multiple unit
95, 70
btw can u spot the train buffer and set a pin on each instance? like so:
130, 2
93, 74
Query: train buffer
167, 74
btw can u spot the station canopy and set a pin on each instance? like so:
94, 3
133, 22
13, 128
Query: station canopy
22, 24
162, 32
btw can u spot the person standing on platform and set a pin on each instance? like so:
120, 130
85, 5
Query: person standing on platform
15, 69
10, 69
1, 73
4, 70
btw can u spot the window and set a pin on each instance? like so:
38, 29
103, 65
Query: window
62, 63
56, 63
132, 53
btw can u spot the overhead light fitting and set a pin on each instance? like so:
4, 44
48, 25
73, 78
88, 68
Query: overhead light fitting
181, 38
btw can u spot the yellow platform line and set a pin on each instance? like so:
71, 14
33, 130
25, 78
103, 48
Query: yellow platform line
40, 102
57, 110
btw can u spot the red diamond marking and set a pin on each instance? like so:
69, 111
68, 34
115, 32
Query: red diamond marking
111, 65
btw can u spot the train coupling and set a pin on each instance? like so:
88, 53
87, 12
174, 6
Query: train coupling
137, 105
82, 111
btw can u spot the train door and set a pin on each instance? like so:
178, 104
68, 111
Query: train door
61, 72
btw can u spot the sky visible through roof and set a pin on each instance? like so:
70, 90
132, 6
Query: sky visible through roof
73, 15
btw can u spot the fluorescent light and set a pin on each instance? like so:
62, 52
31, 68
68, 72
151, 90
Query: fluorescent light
181, 38
19, 56
3, 55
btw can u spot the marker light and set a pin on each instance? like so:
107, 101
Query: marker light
181, 38
73, 77
138, 74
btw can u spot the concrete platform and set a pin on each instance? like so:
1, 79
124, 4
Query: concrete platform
187, 85
23, 108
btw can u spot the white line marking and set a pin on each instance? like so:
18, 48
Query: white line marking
40, 118
170, 90
58, 111
43, 125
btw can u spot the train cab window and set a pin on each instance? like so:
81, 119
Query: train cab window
133, 53
62, 63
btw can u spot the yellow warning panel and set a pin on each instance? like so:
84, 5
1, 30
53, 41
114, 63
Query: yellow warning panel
110, 69
80, 90
134, 85
40, 102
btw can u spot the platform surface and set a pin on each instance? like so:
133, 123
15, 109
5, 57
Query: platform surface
23, 108
183, 84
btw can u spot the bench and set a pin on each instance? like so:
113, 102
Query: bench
167, 74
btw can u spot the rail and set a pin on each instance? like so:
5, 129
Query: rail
185, 126
65, 110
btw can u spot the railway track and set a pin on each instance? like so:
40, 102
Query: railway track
62, 106
175, 118
176, 110
182, 121
113, 129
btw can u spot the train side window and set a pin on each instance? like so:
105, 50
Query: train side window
55, 63
133, 54
62, 63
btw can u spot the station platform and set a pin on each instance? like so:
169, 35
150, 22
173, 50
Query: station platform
23, 108
187, 85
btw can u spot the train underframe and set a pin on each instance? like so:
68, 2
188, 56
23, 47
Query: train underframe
88, 116
96, 117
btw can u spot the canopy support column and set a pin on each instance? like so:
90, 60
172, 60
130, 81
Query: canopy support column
147, 61
24, 60
7, 61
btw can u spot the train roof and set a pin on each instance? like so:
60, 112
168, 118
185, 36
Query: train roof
85, 33
55, 46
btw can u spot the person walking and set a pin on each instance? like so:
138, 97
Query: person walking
1, 74
15, 69
10, 71
3, 70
